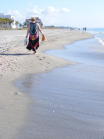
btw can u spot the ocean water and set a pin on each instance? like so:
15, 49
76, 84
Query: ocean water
96, 30
68, 102
99, 34
85, 51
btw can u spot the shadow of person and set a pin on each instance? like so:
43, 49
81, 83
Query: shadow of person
17, 54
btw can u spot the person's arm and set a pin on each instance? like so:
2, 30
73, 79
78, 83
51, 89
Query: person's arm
28, 30
43, 36
40, 29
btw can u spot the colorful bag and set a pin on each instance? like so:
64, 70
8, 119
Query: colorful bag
44, 37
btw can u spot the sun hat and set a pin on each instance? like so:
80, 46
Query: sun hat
33, 19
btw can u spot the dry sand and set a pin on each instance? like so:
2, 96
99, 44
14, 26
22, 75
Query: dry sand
16, 61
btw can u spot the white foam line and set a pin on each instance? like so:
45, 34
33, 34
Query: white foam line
100, 40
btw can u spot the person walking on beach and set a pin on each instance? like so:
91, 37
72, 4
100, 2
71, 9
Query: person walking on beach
33, 34
84, 28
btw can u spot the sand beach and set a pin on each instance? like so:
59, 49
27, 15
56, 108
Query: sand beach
17, 61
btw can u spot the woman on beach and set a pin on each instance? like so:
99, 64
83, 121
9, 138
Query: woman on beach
33, 34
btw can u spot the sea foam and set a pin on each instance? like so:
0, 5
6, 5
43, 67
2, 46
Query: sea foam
101, 41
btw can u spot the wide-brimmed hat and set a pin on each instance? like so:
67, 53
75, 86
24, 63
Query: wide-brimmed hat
33, 19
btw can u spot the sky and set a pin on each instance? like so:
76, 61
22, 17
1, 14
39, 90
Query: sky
75, 13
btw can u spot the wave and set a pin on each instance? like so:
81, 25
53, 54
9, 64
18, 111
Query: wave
93, 32
101, 41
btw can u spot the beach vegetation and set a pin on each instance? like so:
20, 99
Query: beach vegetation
6, 20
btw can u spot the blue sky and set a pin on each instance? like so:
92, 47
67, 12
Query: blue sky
77, 13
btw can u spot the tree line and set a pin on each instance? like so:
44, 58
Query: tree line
6, 20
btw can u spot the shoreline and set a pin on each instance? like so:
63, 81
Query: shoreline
17, 62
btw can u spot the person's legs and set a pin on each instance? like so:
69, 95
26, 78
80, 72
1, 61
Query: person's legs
29, 46
34, 50
35, 45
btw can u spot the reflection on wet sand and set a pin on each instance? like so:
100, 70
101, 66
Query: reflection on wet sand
68, 103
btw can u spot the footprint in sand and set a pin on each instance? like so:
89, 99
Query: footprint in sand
48, 63
17, 93
44, 57
40, 59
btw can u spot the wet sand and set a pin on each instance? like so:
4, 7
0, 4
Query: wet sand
67, 102
16, 61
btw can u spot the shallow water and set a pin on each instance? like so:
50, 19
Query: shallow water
68, 103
